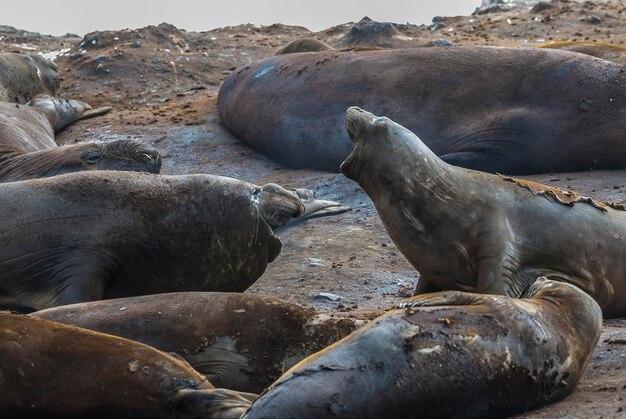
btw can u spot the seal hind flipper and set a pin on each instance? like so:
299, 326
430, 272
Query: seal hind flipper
92, 113
214, 404
447, 298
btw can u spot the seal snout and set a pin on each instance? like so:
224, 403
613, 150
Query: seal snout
353, 122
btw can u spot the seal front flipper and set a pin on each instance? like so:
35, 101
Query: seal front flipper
213, 404
425, 287
315, 208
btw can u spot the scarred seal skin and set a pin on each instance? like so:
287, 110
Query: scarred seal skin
50, 370
472, 231
23, 76
108, 234
238, 341
546, 111
28, 149
447, 355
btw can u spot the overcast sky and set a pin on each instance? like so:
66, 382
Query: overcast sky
58, 17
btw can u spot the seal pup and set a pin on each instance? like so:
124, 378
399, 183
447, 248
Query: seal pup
51, 370
28, 149
107, 234
472, 231
238, 341
23, 76
546, 111
451, 354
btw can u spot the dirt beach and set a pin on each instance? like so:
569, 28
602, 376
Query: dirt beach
163, 81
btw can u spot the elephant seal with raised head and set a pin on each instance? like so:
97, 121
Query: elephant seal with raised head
451, 354
472, 231
51, 370
108, 234
238, 341
28, 149
23, 76
506, 110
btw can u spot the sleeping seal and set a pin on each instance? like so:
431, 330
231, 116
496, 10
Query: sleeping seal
238, 341
51, 370
23, 76
28, 149
107, 234
546, 111
451, 354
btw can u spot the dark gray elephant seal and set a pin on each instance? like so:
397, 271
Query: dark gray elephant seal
472, 231
28, 149
447, 355
546, 111
51, 370
109, 234
23, 76
238, 341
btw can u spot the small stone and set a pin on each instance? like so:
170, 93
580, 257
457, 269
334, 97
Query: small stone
326, 296
594, 19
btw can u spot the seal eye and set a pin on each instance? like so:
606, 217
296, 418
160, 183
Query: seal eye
94, 158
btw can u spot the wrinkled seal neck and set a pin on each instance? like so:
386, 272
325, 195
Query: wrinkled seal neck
37, 164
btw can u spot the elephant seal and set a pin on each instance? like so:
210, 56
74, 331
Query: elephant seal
23, 76
28, 149
609, 52
304, 45
472, 231
546, 111
452, 354
107, 234
238, 341
51, 370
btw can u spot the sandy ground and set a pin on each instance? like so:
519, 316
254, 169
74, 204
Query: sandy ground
163, 81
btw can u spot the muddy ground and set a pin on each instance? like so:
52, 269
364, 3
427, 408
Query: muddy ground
163, 82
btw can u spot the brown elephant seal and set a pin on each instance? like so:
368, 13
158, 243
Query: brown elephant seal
609, 52
304, 45
107, 234
28, 149
472, 231
51, 370
546, 111
23, 76
238, 341
447, 355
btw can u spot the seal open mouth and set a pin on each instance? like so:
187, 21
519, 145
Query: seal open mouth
355, 118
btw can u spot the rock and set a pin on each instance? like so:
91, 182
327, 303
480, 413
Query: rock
326, 296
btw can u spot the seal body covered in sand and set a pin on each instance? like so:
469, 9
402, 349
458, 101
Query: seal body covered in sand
452, 355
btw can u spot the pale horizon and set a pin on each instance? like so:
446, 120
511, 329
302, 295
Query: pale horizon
58, 17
